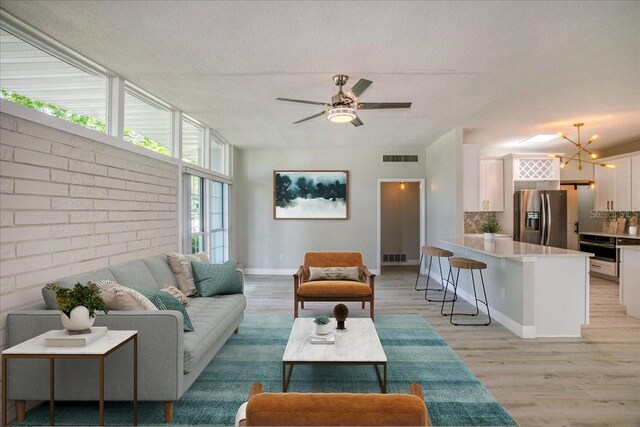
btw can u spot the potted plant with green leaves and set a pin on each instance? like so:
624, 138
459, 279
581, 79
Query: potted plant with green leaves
633, 224
322, 324
78, 306
490, 227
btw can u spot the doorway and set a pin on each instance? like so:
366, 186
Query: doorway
401, 222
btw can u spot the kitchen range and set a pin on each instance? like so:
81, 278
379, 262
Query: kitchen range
606, 250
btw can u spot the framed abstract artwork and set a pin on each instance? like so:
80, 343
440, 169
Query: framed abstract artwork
310, 194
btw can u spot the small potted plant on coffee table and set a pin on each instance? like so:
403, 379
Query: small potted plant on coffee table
490, 227
322, 324
78, 306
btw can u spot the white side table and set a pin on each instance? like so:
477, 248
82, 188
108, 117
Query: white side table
36, 348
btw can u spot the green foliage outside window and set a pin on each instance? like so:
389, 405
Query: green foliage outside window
82, 120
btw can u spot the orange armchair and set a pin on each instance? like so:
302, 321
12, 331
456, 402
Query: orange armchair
334, 409
333, 290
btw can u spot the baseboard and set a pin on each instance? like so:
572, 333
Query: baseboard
408, 262
281, 271
503, 319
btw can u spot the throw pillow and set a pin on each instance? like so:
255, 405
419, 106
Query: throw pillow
216, 279
176, 293
49, 296
118, 297
181, 266
334, 273
164, 301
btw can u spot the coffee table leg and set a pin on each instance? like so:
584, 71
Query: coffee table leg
382, 381
286, 376
52, 374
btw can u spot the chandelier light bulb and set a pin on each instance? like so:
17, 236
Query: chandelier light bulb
593, 155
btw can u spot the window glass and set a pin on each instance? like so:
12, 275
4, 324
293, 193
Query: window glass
146, 123
192, 143
36, 79
216, 155
196, 209
219, 245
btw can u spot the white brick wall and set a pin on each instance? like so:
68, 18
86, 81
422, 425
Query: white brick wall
70, 205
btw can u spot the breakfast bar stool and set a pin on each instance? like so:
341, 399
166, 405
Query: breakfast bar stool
466, 264
433, 251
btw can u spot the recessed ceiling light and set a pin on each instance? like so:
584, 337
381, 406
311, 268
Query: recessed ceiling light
540, 138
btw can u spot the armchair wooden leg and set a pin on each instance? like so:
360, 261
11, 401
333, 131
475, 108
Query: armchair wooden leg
371, 311
295, 307
168, 411
20, 409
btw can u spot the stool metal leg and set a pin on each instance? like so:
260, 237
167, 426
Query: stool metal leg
418, 276
442, 287
455, 287
446, 288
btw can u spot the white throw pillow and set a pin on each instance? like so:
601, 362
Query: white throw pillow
334, 273
118, 297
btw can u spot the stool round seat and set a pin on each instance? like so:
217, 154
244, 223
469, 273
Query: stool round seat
466, 263
435, 251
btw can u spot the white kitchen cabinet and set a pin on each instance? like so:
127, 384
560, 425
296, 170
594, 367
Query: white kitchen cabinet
492, 184
635, 183
613, 186
483, 181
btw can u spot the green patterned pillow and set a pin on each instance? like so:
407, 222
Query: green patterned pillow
216, 279
165, 301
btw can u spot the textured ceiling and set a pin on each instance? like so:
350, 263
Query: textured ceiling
503, 71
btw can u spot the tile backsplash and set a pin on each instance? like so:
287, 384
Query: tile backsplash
472, 221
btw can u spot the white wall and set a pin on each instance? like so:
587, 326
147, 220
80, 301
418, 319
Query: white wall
571, 172
70, 205
277, 246
445, 213
400, 219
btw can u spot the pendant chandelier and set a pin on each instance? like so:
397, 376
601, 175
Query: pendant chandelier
577, 157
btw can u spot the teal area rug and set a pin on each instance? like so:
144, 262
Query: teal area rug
415, 353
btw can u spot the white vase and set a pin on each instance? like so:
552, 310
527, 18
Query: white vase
78, 320
633, 230
489, 237
322, 329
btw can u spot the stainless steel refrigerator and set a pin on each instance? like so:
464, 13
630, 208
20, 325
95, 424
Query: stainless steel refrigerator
540, 217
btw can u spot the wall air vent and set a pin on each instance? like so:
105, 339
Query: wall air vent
394, 257
399, 157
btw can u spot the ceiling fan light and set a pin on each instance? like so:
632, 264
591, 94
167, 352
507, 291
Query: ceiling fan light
341, 114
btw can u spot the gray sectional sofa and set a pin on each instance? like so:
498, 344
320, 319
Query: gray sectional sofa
169, 359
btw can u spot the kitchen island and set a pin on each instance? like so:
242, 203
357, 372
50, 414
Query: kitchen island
533, 290
630, 280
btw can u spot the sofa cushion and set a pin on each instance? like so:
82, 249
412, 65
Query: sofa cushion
49, 296
334, 273
216, 279
211, 317
160, 270
164, 301
181, 266
135, 274
118, 297
93, 277
334, 288
176, 293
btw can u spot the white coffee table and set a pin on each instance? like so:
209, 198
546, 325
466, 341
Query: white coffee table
357, 345
36, 348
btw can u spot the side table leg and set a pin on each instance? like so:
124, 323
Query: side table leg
135, 380
52, 388
4, 390
102, 391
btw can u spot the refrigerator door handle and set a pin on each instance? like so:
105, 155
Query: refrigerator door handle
543, 232
548, 220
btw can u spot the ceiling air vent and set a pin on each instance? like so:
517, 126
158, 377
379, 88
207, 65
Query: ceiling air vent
399, 157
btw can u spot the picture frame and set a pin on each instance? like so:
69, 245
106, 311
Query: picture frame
311, 194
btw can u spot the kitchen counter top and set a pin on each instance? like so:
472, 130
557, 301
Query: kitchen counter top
602, 233
507, 248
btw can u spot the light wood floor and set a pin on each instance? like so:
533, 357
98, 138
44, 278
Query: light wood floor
593, 380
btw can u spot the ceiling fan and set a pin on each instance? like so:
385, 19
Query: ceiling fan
344, 106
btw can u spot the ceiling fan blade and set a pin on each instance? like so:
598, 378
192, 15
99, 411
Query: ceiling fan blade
383, 105
359, 88
357, 122
301, 101
309, 118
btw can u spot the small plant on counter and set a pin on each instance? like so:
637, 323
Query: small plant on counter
633, 220
490, 225
322, 320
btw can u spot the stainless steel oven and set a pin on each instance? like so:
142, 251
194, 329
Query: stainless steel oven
605, 260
